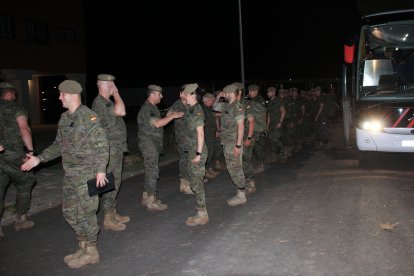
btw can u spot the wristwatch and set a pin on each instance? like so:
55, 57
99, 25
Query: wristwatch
198, 153
249, 138
238, 146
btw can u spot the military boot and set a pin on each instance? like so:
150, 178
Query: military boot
118, 217
220, 166
211, 174
111, 223
200, 218
89, 255
70, 257
144, 199
250, 187
155, 205
238, 199
185, 187
21, 222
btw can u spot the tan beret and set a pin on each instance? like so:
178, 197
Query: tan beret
231, 88
70, 87
153, 87
106, 77
253, 87
190, 88
209, 95
239, 85
7, 85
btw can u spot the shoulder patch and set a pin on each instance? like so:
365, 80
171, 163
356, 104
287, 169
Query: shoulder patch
199, 113
93, 118
108, 104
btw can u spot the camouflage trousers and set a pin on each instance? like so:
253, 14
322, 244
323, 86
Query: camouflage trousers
234, 166
116, 162
211, 142
196, 174
79, 210
275, 137
259, 149
182, 162
151, 157
23, 181
248, 169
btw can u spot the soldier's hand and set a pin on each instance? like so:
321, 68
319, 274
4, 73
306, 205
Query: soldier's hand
247, 142
177, 114
101, 179
236, 152
196, 159
32, 161
1, 148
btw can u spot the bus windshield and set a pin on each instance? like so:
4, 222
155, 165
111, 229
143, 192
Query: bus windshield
386, 61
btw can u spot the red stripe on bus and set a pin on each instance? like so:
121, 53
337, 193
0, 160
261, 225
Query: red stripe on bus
401, 117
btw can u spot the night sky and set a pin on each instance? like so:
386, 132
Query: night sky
177, 42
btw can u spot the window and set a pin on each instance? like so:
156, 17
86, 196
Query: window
37, 32
6, 26
67, 34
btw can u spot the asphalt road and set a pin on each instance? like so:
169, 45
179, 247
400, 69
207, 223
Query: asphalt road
318, 214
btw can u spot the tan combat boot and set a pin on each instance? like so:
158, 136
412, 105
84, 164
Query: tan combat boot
155, 205
185, 187
89, 255
144, 199
238, 199
200, 218
22, 222
118, 217
70, 257
250, 187
110, 223
211, 174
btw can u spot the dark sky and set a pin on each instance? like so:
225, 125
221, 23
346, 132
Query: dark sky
176, 42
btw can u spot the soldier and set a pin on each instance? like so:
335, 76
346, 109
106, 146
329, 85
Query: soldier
276, 115
15, 138
260, 117
110, 115
150, 143
210, 131
196, 153
321, 120
248, 139
232, 123
179, 132
82, 143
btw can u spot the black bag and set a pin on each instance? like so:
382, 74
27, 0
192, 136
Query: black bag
110, 185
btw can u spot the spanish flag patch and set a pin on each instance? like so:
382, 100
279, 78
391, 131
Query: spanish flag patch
93, 118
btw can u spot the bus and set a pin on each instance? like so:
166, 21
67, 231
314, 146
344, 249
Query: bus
378, 84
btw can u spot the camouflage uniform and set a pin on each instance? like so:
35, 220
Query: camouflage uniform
116, 134
210, 135
230, 115
150, 143
180, 133
11, 158
248, 169
194, 117
275, 134
260, 117
82, 143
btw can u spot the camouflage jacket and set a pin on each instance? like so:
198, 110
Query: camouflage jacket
179, 124
82, 143
273, 108
248, 113
230, 115
260, 113
113, 124
147, 132
10, 137
193, 117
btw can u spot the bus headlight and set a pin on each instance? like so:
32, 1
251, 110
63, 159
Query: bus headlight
372, 126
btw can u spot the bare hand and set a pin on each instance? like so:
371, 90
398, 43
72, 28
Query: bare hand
236, 152
177, 114
247, 142
101, 179
196, 159
32, 161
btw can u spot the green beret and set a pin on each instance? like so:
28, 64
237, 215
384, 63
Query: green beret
271, 89
190, 88
153, 87
209, 95
231, 88
253, 87
7, 85
70, 87
106, 77
239, 85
